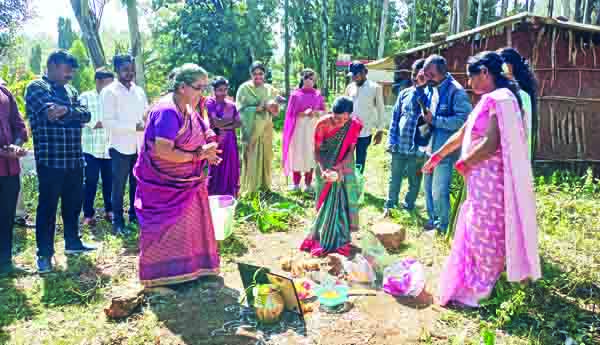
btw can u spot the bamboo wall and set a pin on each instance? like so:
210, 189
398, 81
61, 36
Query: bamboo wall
566, 64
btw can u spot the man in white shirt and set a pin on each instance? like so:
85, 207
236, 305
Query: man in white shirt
124, 104
368, 107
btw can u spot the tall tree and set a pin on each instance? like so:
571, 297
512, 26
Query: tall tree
503, 8
324, 48
218, 35
83, 80
286, 48
66, 34
479, 12
13, 14
136, 41
460, 14
89, 16
384, 16
578, 15
35, 60
413, 23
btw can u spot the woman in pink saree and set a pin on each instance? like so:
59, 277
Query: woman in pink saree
496, 228
177, 240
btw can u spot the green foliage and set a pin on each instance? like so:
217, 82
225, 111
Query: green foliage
431, 16
35, 61
83, 80
66, 35
17, 81
268, 216
223, 37
13, 14
353, 29
488, 13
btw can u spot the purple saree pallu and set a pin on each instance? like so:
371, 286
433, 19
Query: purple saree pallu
177, 241
225, 177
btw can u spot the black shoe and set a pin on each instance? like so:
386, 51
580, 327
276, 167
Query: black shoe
430, 225
44, 264
81, 248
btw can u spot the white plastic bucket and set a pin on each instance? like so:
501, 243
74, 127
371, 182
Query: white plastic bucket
222, 209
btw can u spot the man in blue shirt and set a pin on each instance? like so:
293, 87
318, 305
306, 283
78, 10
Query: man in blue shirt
407, 159
450, 107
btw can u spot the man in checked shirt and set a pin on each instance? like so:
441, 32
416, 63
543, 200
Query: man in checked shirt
56, 120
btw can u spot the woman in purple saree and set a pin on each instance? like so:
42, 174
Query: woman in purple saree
496, 228
177, 240
224, 119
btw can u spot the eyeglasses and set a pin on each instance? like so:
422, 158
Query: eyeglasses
202, 87
309, 77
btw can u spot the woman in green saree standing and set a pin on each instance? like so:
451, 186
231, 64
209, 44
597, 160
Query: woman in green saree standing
256, 101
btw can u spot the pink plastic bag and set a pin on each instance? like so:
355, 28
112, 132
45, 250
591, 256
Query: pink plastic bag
404, 278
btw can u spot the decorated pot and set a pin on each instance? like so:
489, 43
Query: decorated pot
268, 303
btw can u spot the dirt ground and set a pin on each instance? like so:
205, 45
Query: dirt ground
197, 314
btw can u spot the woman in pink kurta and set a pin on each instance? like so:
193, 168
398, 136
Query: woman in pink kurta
303, 111
496, 228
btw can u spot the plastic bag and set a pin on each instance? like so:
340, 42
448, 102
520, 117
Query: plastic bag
375, 252
404, 278
359, 271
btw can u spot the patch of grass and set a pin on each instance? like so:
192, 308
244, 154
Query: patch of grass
232, 247
269, 211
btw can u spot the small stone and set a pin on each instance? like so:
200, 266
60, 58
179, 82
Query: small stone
122, 307
391, 235
335, 264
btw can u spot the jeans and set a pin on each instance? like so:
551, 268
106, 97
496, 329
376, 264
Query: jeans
122, 169
93, 169
9, 189
408, 166
361, 152
54, 184
437, 193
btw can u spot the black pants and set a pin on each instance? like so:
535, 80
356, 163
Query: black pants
55, 184
94, 168
9, 191
122, 168
361, 152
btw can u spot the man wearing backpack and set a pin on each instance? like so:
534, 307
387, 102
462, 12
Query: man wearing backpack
450, 105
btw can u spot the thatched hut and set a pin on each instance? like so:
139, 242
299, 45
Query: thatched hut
565, 56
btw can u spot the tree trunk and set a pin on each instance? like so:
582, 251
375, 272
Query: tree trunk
531, 5
550, 8
587, 16
413, 31
136, 42
463, 15
479, 13
504, 8
89, 31
384, 14
286, 48
578, 15
324, 48
516, 6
